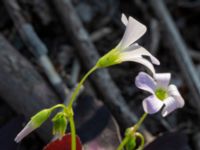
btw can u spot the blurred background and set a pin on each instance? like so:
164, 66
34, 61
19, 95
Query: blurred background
46, 46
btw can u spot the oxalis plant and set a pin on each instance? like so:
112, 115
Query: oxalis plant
163, 96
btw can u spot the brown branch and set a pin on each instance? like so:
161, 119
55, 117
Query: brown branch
22, 87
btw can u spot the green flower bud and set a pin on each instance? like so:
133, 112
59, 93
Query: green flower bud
59, 124
38, 119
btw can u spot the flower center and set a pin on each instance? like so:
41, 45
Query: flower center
161, 94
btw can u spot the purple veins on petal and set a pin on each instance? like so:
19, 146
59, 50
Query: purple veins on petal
163, 94
151, 104
145, 82
170, 106
173, 91
162, 79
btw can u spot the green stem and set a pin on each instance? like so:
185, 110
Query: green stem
76, 91
58, 106
123, 143
142, 140
138, 124
135, 128
73, 97
73, 133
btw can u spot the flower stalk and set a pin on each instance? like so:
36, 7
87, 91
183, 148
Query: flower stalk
70, 105
77, 89
73, 132
137, 126
139, 135
58, 106
123, 143
132, 132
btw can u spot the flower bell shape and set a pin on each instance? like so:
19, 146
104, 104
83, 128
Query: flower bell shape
127, 50
163, 94
36, 121
59, 125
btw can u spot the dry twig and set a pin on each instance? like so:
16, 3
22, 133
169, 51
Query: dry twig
195, 55
22, 87
155, 36
36, 46
180, 50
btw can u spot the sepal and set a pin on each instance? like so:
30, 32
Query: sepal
59, 125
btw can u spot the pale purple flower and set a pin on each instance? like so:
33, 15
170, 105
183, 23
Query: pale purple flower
24, 132
164, 95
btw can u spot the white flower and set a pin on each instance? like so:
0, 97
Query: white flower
127, 50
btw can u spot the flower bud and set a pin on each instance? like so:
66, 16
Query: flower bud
59, 125
35, 122
38, 119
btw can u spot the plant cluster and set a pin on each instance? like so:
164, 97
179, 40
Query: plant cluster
163, 96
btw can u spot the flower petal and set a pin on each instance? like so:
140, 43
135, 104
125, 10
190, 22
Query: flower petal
170, 106
134, 30
24, 132
173, 91
140, 60
152, 105
124, 19
145, 82
162, 79
136, 50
